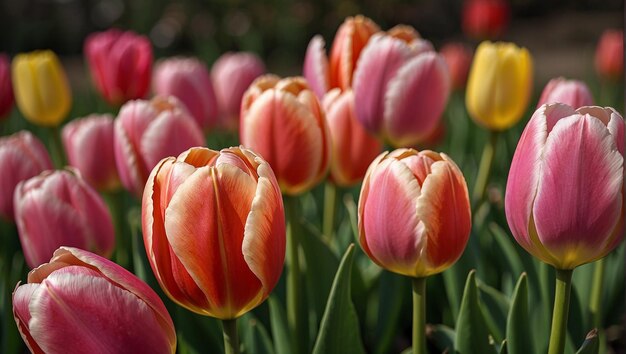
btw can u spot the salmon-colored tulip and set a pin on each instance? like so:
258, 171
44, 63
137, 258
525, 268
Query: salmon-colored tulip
188, 80
351, 38
82, 303
214, 230
414, 212
89, 147
283, 121
459, 58
353, 148
609, 59
58, 208
565, 193
22, 156
485, 19
232, 74
6, 88
146, 132
570, 92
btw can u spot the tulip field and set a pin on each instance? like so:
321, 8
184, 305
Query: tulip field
388, 193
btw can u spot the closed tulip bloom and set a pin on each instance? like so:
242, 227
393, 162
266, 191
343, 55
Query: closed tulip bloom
564, 197
214, 230
401, 88
485, 19
58, 208
414, 212
459, 58
188, 80
499, 85
41, 89
22, 156
323, 73
146, 132
6, 88
232, 74
283, 121
570, 92
82, 303
609, 59
88, 145
353, 148
120, 63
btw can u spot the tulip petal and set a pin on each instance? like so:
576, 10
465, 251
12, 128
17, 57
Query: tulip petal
21, 313
316, 66
52, 88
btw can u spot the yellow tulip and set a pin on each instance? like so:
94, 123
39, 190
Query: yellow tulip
41, 88
499, 85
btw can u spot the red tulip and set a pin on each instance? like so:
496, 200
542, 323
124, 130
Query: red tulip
82, 303
120, 63
570, 92
610, 55
459, 58
214, 230
485, 19
6, 88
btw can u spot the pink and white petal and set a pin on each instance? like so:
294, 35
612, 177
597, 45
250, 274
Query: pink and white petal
22, 296
611, 118
130, 166
315, 69
363, 197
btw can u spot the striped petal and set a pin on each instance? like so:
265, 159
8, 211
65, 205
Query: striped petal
21, 313
316, 66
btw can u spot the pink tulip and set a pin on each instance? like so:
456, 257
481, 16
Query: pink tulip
232, 74
6, 87
283, 121
188, 80
570, 92
22, 156
400, 89
459, 58
564, 197
120, 63
82, 303
214, 230
609, 58
414, 212
58, 208
89, 147
353, 148
146, 132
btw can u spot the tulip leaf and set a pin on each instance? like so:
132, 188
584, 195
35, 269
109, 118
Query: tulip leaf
254, 336
393, 292
591, 345
280, 327
517, 325
441, 336
472, 335
504, 347
339, 331
495, 310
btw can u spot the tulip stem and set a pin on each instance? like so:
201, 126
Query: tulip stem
121, 240
484, 170
560, 312
595, 305
419, 315
330, 203
231, 338
56, 147
293, 277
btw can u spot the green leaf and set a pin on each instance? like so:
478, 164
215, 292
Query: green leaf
254, 336
339, 331
280, 328
504, 347
393, 292
517, 325
591, 345
441, 336
495, 310
472, 335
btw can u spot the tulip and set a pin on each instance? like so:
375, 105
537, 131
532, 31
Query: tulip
214, 230
22, 156
499, 85
89, 146
570, 92
188, 80
58, 208
459, 58
120, 63
41, 88
401, 88
351, 38
82, 303
232, 74
146, 132
6, 90
485, 19
283, 121
609, 58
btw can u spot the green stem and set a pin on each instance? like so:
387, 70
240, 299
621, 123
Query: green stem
56, 147
231, 338
484, 171
330, 202
419, 315
596, 293
293, 276
561, 310
121, 238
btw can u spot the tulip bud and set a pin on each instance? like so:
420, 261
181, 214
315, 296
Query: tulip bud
214, 230
82, 303
41, 89
22, 156
609, 58
400, 88
6, 89
353, 148
188, 80
232, 74
282, 121
564, 197
485, 19
88, 144
58, 208
120, 63
414, 212
570, 92
459, 58
499, 85
146, 132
